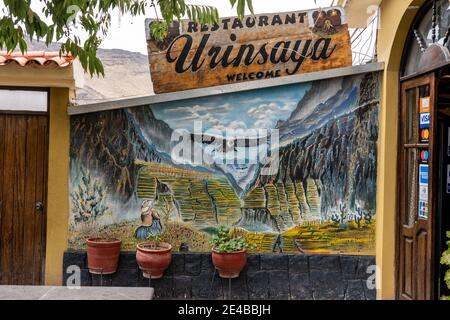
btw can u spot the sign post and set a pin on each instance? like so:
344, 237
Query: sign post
256, 47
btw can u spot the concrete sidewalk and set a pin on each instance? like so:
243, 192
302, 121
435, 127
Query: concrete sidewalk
83, 293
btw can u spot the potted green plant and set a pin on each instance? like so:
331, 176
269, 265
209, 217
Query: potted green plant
445, 260
229, 254
153, 257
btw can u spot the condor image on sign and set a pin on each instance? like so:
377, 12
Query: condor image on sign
256, 47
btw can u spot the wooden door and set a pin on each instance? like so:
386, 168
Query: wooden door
23, 184
415, 242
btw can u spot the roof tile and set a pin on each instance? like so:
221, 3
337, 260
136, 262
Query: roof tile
38, 57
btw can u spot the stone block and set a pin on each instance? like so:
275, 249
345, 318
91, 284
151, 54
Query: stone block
207, 285
207, 265
355, 290
300, 286
238, 288
298, 264
349, 265
363, 266
192, 264
278, 285
327, 285
253, 263
258, 285
274, 262
324, 262
176, 267
126, 278
371, 294
99, 280
182, 287
163, 287
77, 258
127, 260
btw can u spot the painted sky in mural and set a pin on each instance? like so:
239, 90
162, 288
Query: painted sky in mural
251, 111
127, 182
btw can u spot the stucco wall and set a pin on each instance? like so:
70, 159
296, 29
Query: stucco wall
37, 76
395, 15
58, 189
61, 84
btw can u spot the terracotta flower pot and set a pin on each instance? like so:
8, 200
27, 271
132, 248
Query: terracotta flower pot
103, 255
153, 259
231, 264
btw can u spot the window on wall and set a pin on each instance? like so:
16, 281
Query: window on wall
423, 27
23, 100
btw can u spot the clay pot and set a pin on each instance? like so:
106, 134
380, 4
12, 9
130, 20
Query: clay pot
103, 255
231, 264
153, 258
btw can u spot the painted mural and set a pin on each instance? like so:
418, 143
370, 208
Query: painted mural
312, 190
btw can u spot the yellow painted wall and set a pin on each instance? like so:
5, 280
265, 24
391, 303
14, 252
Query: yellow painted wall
58, 185
37, 76
396, 19
61, 84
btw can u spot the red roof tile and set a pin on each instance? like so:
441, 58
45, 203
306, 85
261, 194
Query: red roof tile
39, 57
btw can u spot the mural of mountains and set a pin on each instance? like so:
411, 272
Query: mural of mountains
341, 154
337, 95
321, 198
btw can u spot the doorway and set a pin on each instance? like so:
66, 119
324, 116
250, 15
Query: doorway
23, 185
443, 176
424, 185
415, 241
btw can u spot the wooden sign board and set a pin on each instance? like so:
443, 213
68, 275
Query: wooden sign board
256, 47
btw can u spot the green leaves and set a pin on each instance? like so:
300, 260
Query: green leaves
445, 260
92, 16
202, 14
223, 242
159, 29
241, 4
156, 238
176, 9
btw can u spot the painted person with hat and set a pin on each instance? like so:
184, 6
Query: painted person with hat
151, 222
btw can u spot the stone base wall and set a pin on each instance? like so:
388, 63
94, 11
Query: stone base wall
266, 276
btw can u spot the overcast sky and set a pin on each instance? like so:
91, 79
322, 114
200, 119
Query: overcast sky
129, 33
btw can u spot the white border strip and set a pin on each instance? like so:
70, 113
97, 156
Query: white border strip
223, 89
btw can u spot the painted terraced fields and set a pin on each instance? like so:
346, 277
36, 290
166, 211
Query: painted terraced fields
206, 200
203, 199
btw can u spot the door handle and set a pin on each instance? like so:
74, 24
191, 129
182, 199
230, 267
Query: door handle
39, 206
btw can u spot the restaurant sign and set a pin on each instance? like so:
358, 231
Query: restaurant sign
253, 48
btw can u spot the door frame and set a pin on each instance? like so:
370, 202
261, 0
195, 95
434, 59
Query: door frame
47, 149
431, 79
